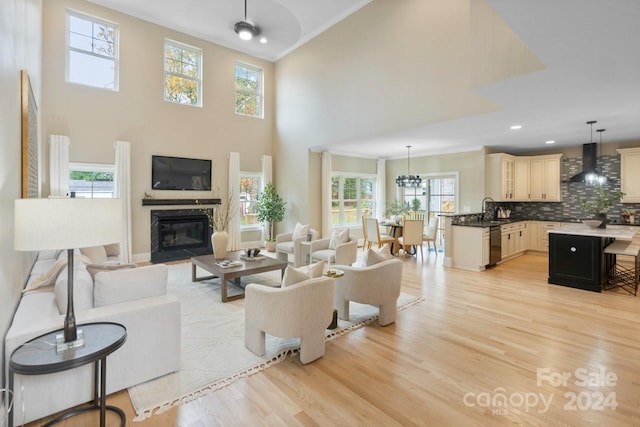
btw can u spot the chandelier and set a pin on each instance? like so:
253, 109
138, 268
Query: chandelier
408, 180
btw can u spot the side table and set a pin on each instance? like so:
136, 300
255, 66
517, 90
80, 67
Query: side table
38, 356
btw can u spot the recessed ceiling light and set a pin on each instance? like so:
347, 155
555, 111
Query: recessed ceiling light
516, 127
550, 142
263, 40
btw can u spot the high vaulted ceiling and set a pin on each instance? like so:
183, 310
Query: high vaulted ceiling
588, 50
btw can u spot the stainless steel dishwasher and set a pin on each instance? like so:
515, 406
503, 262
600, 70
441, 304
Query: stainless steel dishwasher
495, 244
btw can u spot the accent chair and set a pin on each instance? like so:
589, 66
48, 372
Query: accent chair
291, 244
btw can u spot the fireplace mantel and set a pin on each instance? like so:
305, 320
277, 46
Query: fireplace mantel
161, 202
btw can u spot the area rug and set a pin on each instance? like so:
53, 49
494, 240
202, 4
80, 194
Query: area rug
213, 352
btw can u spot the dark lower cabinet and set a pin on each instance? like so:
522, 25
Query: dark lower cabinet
577, 261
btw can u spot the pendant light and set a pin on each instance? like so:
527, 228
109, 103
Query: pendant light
594, 177
408, 180
245, 29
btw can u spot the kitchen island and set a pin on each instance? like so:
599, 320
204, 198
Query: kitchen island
576, 254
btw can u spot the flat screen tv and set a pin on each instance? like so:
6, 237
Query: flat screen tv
178, 173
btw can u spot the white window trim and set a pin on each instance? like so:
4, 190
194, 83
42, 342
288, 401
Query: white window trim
116, 56
183, 46
260, 93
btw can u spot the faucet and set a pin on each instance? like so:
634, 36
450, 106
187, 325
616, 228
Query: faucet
484, 203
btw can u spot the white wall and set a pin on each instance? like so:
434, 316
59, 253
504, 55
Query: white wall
20, 48
137, 113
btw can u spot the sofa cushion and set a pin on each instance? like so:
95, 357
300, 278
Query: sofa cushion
112, 287
82, 289
107, 266
338, 236
97, 254
112, 250
46, 278
300, 231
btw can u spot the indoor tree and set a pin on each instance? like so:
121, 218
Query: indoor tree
270, 209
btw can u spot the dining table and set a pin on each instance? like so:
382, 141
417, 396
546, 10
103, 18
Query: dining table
395, 229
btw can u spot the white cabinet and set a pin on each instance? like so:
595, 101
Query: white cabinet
544, 183
500, 177
514, 239
545, 226
630, 174
486, 246
522, 180
469, 247
533, 233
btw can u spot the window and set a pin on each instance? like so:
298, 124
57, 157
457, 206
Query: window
436, 196
92, 51
182, 73
250, 184
352, 197
249, 96
91, 181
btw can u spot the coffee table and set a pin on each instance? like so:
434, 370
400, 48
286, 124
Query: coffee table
208, 263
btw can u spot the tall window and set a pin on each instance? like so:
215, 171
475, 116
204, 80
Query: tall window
249, 90
91, 181
92, 51
352, 197
182, 73
250, 184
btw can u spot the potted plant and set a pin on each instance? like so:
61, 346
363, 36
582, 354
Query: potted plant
270, 209
599, 204
416, 204
396, 209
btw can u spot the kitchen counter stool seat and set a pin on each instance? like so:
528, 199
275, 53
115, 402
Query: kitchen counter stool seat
620, 275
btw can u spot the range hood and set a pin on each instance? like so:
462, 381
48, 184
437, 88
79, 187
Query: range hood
589, 174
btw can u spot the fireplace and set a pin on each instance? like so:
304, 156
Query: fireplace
179, 234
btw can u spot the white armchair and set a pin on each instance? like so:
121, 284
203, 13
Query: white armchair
287, 244
301, 310
378, 284
344, 253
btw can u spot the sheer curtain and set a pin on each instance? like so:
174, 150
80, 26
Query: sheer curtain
122, 184
381, 188
235, 240
326, 194
58, 165
267, 177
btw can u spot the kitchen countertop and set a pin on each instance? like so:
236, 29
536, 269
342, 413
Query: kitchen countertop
618, 232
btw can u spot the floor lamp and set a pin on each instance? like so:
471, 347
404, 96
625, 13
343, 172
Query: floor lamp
61, 223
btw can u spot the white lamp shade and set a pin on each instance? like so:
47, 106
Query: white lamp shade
51, 224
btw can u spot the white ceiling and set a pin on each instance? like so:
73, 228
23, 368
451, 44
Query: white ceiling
590, 50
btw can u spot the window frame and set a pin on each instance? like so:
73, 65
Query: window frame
358, 200
93, 167
183, 47
116, 55
253, 175
258, 93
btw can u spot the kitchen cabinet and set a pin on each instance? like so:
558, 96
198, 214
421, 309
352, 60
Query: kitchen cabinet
521, 180
470, 247
514, 239
545, 226
630, 174
533, 233
544, 181
577, 261
500, 177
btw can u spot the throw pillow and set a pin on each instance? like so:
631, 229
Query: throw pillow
82, 289
97, 254
300, 231
372, 257
294, 275
112, 249
385, 251
338, 236
93, 269
48, 278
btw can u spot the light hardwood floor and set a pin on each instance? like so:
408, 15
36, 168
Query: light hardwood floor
447, 361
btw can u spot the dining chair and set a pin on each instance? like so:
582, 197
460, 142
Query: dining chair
431, 233
374, 236
412, 235
364, 233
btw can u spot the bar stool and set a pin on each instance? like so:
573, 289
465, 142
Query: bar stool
619, 275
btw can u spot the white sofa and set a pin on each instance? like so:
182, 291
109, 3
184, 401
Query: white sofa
134, 297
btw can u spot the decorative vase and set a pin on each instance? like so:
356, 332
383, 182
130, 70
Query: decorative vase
219, 241
603, 218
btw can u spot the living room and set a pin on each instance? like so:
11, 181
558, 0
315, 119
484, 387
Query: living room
302, 118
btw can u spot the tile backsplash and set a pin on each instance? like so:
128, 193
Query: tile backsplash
573, 193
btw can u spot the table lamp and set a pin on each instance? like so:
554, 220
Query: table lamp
61, 223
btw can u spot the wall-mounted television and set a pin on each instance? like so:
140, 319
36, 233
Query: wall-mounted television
179, 173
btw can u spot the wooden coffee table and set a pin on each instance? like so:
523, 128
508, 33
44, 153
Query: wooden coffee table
208, 263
